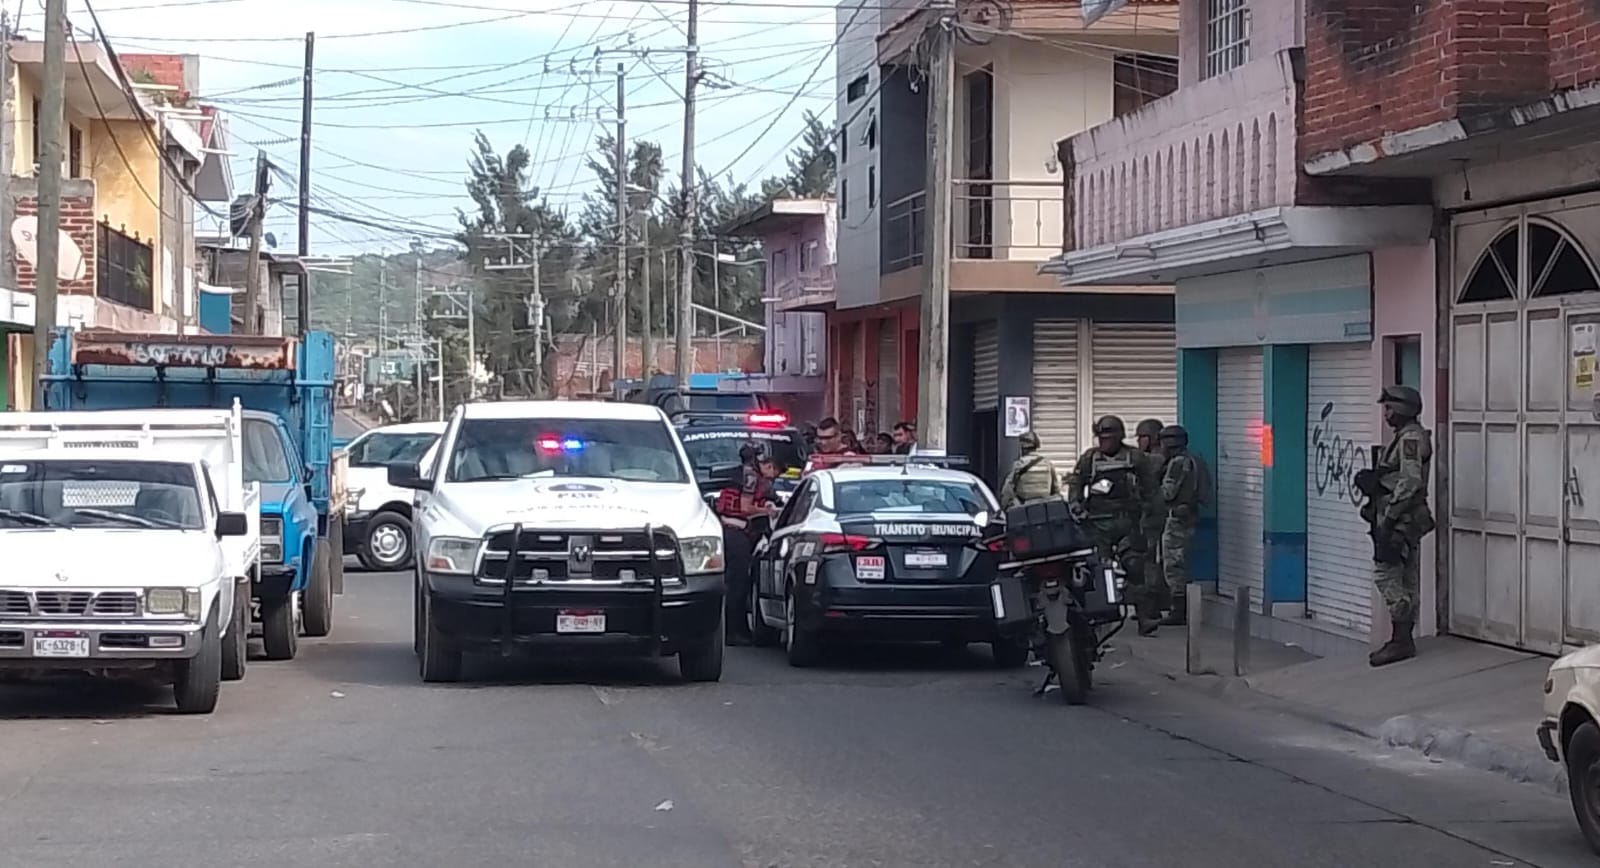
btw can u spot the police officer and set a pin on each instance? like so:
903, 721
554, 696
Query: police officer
1031, 477
1400, 518
1182, 492
1109, 489
1147, 436
744, 518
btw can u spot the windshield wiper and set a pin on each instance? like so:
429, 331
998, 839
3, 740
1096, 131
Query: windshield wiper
29, 518
127, 518
504, 477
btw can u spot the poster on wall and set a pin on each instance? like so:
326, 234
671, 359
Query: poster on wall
1583, 356
1019, 416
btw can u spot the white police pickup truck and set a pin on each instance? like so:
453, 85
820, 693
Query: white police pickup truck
570, 526
130, 540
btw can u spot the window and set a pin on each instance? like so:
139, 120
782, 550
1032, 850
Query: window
74, 152
1140, 79
844, 198
979, 235
844, 143
264, 457
1556, 266
808, 256
910, 496
856, 89
780, 264
1405, 361
627, 449
872, 186
382, 449
78, 493
1227, 35
872, 132
36, 134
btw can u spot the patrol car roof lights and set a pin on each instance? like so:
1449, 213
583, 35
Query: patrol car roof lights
768, 418
552, 443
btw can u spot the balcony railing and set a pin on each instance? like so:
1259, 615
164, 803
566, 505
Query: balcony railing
125, 268
1216, 148
1010, 220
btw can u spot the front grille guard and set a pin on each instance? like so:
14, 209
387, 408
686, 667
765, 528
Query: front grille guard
658, 595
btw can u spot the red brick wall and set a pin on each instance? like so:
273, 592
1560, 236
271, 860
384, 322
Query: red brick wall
166, 69
572, 371
77, 221
1378, 66
1574, 43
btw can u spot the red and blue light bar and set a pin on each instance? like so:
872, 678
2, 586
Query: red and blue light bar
552, 443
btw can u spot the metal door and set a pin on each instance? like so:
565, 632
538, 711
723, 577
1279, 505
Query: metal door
888, 375
1340, 422
1135, 370
1055, 390
1581, 481
1240, 403
985, 366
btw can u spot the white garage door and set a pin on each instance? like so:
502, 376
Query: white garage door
1135, 367
1239, 477
1340, 418
1055, 390
888, 375
986, 366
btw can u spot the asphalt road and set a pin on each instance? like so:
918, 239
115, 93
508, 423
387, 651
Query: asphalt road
884, 757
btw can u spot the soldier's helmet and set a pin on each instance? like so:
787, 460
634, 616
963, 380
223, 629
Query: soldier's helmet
1148, 428
1177, 435
1110, 427
1028, 440
751, 452
1405, 400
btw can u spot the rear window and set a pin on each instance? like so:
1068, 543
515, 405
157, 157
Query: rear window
707, 449
381, 449
731, 403
909, 496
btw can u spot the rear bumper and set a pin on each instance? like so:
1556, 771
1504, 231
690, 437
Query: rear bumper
475, 615
906, 623
1547, 740
126, 643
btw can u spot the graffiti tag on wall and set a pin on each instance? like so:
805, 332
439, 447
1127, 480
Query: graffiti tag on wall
1336, 460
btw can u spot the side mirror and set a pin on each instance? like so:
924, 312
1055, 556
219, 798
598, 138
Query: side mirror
232, 524
401, 476
306, 473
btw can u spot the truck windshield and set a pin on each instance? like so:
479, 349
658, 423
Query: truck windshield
381, 449
74, 493
636, 450
707, 449
264, 459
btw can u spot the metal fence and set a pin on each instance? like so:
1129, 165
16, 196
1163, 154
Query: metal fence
125, 268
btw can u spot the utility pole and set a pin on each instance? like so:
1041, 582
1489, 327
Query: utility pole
305, 186
252, 277
439, 346
619, 369
536, 317
934, 390
685, 341
647, 349
52, 105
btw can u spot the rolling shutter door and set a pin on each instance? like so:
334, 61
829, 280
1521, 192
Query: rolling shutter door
1055, 390
1135, 367
986, 366
1339, 434
1238, 468
888, 375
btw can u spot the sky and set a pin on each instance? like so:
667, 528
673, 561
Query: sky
401, 86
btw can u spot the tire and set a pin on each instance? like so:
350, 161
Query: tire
703, 662
1582, 753
801, 645
1065, 654
761, 635
440, 660
387, 547
280, 630
198, 680
1009, 653
236, 642
318, 598
417, 626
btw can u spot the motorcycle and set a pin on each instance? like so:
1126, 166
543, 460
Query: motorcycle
1057, 587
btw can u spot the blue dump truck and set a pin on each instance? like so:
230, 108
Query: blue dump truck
286, 387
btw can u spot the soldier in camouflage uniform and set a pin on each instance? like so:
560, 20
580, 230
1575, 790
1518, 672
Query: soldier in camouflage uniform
1397, 509
1031, 477
1147, 435
1181, 491
1113, 516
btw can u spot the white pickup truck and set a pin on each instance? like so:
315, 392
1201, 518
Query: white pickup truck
130, 538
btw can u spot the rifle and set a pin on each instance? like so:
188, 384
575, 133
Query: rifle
1384, 549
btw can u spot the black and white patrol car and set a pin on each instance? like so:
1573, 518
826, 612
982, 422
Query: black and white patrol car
887, 549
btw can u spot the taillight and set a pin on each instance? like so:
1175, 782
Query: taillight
845, 542
998, 544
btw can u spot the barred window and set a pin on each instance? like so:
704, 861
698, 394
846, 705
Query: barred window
1227, 35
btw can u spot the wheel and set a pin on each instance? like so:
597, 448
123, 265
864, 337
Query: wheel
280, 628
1009, 653
318, 598
336, 557
1583, 780
703, 662
199, 679
1064, 660
801, 644
388, 543
236, 642
761, 635
440, 660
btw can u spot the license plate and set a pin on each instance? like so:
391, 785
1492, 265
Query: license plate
69, 645
580, 622
869, 567
926, 559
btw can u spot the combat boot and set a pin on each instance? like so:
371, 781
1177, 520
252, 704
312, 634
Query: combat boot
1149, 619
1177, 616
1400, 647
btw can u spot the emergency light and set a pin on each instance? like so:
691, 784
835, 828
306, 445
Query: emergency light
772, 418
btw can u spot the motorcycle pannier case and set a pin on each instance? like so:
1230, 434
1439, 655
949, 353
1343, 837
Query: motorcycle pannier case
1043, 528
1008, 595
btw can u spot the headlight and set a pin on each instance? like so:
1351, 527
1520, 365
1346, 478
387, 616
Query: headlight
702, 554
272, 539
447, 554
352, 499
172, 601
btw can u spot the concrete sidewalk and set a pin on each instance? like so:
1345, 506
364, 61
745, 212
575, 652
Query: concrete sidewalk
1461, 701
